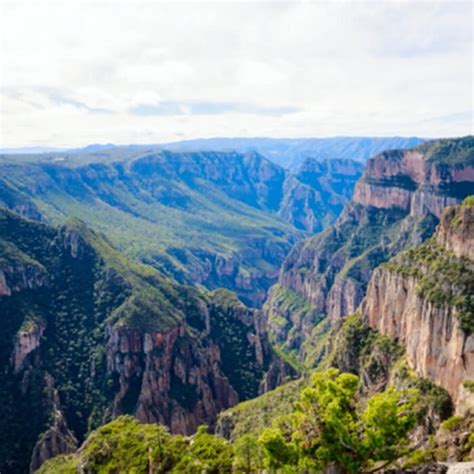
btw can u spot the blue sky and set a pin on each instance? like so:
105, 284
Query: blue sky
74, 73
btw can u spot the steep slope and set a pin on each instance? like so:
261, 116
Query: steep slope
218, 219
356, 348
424, 298
397, 204
88, 335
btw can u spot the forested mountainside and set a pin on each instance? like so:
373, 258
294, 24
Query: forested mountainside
374, 314
413, 330
88, 335
217, 219
292, 152
396, 205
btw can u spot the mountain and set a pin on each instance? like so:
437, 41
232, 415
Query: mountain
424, 298
217, 219
291, 152
88, 335
397, 203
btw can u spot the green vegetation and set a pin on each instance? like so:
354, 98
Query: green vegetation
289, 314
452, 423
468, 201
238, 353
180, 212
449, 151
253, 416
330, 427
80, 288
469, 385
442, 278
125, 445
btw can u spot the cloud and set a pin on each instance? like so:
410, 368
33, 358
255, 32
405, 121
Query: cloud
60, 99
128, 71
208, 108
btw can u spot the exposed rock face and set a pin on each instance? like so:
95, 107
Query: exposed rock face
212, 218
182, 381
116, 337
408, 181
436, 346
58, 439
436, 333
163, 368
19, 276
396, 205
456, 231
26, 342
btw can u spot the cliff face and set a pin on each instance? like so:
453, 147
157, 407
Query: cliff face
97, 336
396, 205
217, 219
422, 299
183, 380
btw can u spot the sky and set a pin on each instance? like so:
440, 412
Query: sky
76, 72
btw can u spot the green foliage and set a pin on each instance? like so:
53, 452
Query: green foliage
253, 416
417, 458
206, 454
469, 385
468, 201
442, 278
330, 426
64, 464
126, 445
248, 455
178, 212
452, 423
238, 356
449, 151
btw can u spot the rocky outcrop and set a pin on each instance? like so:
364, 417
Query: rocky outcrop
18, 276
421, 299
407, 180
396, 205
220, 219
181, 380
117, 337
456, 231
58, 439
175, 382
26, 341
436, 346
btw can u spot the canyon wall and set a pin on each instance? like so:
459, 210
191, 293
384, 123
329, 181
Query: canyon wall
396, 205
422, 299
88, 335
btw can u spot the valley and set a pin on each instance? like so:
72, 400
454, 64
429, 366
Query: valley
186, 288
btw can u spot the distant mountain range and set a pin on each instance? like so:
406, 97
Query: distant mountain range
287, 152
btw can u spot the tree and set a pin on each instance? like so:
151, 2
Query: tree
207, 454
331, 429
248, 454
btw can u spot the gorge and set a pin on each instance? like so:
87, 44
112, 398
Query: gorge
175, 285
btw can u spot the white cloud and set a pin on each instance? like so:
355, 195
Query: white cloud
215, 69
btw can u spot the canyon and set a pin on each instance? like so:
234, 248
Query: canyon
116, 279
397, 204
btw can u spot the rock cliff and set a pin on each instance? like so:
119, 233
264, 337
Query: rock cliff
396, 205
211, 218
94, 335
423, 299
